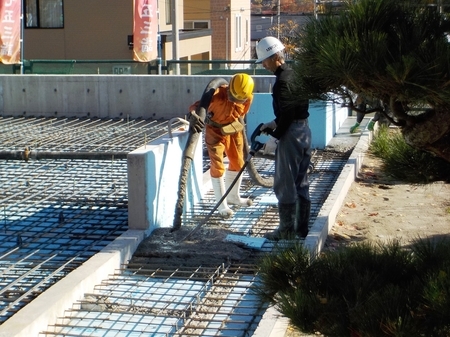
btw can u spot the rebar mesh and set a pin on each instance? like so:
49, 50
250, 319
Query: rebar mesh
55, 214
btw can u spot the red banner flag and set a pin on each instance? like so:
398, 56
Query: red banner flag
145, 30
10, 11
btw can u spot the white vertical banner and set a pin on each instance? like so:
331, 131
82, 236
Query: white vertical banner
145, 41
10, 27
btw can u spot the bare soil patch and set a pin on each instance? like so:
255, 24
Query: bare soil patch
378, 208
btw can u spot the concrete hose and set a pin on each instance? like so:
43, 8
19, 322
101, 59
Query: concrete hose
251, 168
188, 153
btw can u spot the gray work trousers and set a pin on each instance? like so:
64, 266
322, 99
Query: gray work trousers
292, 159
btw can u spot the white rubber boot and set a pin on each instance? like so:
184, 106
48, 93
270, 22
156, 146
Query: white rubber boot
219, 191
233, 197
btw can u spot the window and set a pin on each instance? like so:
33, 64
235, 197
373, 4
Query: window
196, 24
238, 30
44, 14
168, 12
247, 30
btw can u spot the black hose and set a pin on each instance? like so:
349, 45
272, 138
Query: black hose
251, 169
189, 150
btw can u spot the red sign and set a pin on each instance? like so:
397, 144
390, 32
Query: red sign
145, 44
10, 31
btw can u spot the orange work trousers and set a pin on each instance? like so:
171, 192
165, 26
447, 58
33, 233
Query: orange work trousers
219, 145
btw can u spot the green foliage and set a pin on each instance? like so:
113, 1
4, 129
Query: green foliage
394, 51
283, 270
372, 289
406, 163
433, 265
382, 48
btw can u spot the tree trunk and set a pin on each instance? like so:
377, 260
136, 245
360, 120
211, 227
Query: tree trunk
432, 134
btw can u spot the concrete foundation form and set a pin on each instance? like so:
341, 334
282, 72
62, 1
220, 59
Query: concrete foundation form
106, 96
66, 187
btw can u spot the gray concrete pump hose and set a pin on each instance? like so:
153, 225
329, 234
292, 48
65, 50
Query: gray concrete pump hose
189, 150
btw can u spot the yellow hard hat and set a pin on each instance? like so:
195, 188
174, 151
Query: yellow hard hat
241, 86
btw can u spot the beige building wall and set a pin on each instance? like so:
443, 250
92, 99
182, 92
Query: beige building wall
92, 30
225, 15
197, 10
98, 30
189, 47
240, 12
192, 49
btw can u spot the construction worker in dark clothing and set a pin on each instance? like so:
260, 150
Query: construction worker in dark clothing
293, 153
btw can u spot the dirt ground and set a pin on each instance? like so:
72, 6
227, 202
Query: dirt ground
380, 209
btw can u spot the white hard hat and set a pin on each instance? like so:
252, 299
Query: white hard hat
267, 47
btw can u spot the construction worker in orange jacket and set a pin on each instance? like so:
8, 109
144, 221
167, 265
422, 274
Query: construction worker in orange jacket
223, 136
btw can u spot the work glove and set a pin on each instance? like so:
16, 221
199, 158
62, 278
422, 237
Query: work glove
195, 122
272, 125
270, 146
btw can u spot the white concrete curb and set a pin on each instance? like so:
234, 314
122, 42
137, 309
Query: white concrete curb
272, 324
327, 215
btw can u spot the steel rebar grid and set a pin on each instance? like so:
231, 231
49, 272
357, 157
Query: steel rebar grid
226, 308
71, 136
31, 282
262, 217
65, 211
63, 208
167, 304
84, 196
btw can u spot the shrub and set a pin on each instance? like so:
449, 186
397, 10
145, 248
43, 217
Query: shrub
365, 289
403, 162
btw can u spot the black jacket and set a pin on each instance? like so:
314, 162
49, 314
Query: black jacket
284, 108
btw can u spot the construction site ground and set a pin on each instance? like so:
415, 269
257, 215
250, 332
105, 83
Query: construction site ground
379, 208
167, 259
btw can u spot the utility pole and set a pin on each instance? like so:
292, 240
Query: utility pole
159, 58
278, 19
175, 36
22, 30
